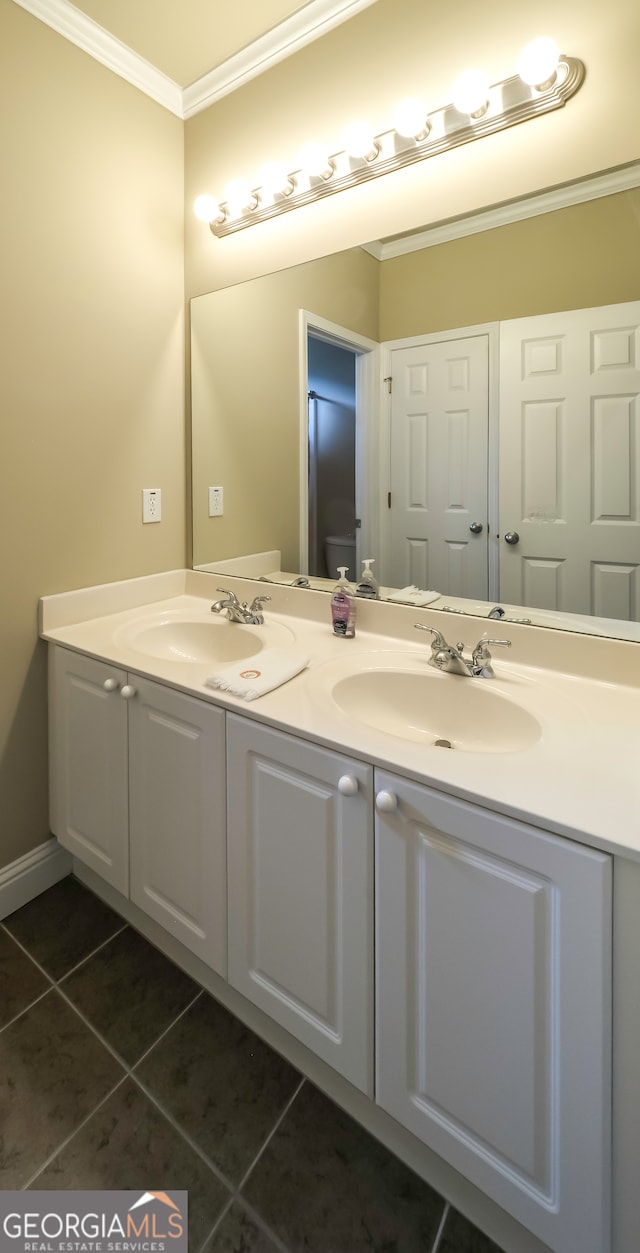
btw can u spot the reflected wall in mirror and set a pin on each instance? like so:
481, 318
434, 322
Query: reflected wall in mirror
249, 399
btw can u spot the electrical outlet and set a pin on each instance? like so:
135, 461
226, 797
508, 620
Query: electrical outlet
151, 504
216, 502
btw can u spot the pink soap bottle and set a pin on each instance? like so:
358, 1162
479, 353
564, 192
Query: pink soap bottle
343, 606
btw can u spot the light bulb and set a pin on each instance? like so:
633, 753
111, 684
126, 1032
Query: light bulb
358, 141
238, 196
206, 208
410, 118
314, 160
538, 62
275, 180
471, 93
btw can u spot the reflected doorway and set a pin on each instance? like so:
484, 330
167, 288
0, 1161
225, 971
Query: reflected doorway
339, 447
331, 374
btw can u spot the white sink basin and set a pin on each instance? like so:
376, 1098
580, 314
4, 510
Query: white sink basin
423, 706
200, 637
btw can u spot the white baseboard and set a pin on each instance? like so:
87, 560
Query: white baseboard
32, 874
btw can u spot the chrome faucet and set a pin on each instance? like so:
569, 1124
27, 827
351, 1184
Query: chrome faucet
250, 615
451, 660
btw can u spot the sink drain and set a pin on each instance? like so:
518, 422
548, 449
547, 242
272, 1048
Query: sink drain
443, 744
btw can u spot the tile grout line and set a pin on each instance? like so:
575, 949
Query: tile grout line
272, 1236
218, 1223
126, 1066
270, 1135
31, 1004
128, 1070
193, 1144
129, 1073
237, 1193
260, 1222
52, 983
56, 982
166, 1031
26, 952
93, 953
440, 1231
56, 985
52, 1156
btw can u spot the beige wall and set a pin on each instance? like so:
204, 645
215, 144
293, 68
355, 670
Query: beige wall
575, 258
392, 49
246, 401
91, 384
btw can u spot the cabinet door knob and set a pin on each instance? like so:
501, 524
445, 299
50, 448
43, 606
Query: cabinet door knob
127, 691
347, 785
386, 802
111, 685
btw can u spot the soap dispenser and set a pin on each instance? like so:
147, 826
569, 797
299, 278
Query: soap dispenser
368, 586
343, 609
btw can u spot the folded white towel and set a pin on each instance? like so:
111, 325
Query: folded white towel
253, 676
413, 596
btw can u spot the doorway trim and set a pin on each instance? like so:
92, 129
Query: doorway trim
367, 353
492, 331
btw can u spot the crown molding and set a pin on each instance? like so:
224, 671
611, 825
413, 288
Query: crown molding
623, 179
315, 19
80, 30
310, 23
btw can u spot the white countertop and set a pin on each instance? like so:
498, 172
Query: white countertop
581, 778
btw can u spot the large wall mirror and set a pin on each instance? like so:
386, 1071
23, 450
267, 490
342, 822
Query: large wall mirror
513, 410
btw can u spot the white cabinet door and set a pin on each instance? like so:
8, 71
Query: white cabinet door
493, 955
88, 763
177, 816
300, 852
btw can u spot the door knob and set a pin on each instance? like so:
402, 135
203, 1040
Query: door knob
127, 691
347, 785
110, 685
475, 528
511, 537
386, 802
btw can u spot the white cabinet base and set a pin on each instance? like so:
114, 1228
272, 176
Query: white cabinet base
300, 853
177, 817
88, 763
493, 951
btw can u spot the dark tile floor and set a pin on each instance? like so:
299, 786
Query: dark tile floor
118, 1071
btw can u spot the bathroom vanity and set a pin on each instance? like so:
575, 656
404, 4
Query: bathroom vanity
428, 933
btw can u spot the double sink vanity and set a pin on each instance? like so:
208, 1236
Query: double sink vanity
402, 878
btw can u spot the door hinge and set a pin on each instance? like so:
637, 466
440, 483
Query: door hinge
388, 381
388, 500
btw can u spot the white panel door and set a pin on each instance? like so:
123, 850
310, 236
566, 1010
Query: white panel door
570, 461
439, 441
88, 763
300, 872
493, 956
177, 816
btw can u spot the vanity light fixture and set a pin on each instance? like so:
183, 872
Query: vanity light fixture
545, 81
